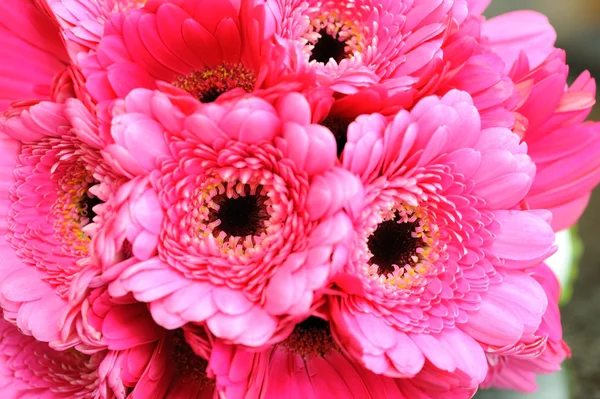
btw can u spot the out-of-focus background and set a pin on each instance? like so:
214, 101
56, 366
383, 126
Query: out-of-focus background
577, 23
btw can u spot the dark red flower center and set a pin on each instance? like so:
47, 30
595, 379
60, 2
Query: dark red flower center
189, 366
209, 83
392, 243
312, 337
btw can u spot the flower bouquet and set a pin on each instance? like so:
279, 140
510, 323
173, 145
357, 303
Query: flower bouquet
283, 198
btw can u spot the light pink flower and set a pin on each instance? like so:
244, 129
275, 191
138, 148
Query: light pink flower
358, 43
33, 57
231, 218
309, 364
51, 170
31, 369
203, 47
519, 371
437, 271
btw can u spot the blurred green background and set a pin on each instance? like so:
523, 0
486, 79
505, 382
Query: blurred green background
577, 23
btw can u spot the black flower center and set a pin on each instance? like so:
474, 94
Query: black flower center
242, 216
339, 128
312, 337
327, 47
392, 244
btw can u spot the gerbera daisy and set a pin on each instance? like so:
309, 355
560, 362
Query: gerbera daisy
437, 270
52, 175
309, 364
204, 47
565, 149
31, 369
231, 219
358, 43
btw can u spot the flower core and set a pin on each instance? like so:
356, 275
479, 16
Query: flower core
209, 83
312, 337
235, 213
189, 366
403, 247
73, 207
333, 35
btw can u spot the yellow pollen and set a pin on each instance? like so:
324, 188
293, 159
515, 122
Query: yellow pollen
208, 84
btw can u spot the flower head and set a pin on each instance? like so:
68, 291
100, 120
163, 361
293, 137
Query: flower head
29, 368
441, 242
310, 364
50, 210
564, 148
358, 43
202, 47
232, 220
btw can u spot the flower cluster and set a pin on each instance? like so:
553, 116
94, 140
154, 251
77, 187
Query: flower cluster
283, 198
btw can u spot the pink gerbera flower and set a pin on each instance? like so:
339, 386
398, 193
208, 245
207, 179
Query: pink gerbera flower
47, 217
467, 65
357, 43
31, 369
519, 371
566, 150
309, 364
143, 359
230, 218
204, 47
437, 270
33, 57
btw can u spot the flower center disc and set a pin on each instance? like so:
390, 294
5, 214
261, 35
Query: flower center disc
209, 83
328, 46
189, 365
391, 244
312, 337
241, 216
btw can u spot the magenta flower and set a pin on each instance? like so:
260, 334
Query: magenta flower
519, 371
564, 148
442, 246
48, 211
231, 219
202, 47
309, 364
